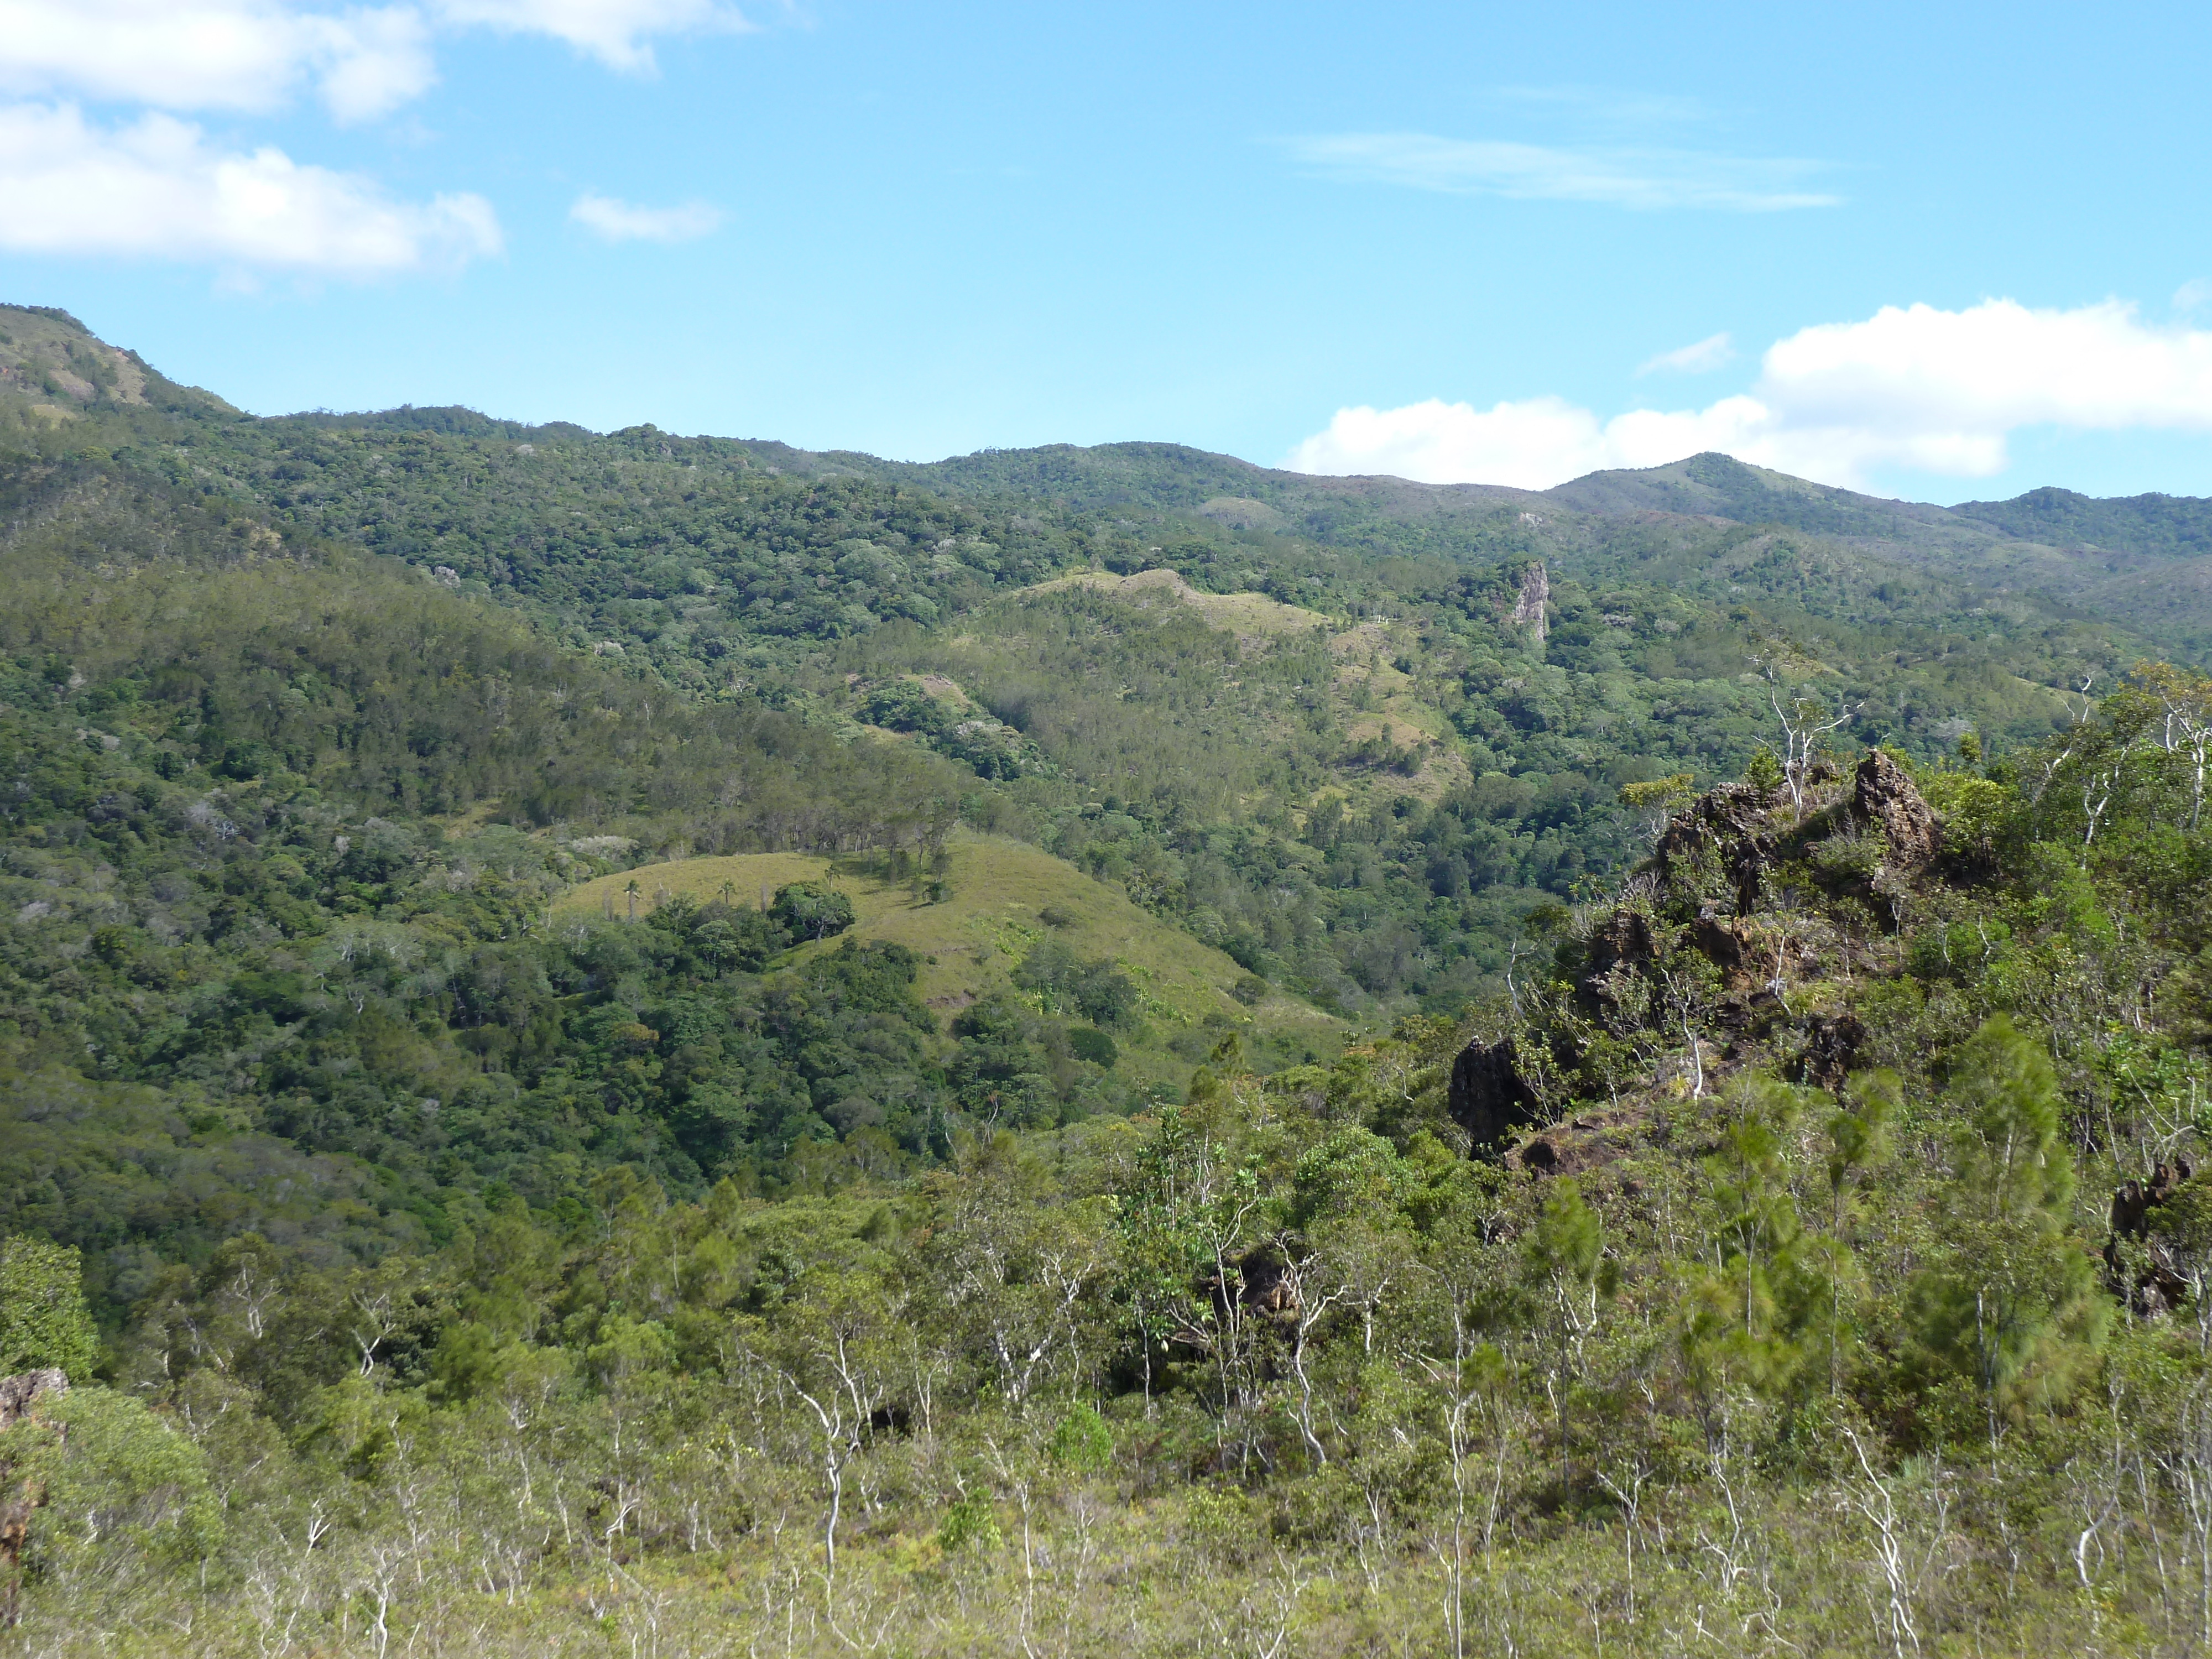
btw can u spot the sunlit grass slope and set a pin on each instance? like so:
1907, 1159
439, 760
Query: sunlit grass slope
1249, 617
995, 894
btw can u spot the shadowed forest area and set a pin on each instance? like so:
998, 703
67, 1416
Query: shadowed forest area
1292, 1074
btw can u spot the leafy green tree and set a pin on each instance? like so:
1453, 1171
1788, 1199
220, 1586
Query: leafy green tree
1750, 1319
1859, 1136
1565, 1259
123, 1491
1081, 1441
1859, 1146
44, 1322
2012, 1303
1186, 1216
807, 910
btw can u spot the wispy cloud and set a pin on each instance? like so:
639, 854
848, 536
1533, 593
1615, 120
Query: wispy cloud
1699, 357
248, 54
1599, 106
1644, 178
616, 32
614, 221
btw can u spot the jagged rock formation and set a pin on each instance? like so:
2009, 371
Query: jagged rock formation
1739, 936
1727, 827
1884, 797
1832, 1051
1618, 949
19, 1393
2159, 1285
1535, 594
1488, 1097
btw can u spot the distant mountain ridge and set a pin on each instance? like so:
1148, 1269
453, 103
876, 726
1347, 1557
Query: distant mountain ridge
2177, 526
2143, 560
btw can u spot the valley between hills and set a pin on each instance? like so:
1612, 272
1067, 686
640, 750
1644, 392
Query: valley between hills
621, 1042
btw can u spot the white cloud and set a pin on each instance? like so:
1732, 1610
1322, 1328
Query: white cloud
615, 221
255, 55
1532, 445
1699, 357
612, 31
1911, 387
156, 188
1615, 177
215, 54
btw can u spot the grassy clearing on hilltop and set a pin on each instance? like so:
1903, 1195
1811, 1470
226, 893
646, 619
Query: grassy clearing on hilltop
1248, 616
995, 897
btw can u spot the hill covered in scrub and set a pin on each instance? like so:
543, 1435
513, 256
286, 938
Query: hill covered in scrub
624, 1042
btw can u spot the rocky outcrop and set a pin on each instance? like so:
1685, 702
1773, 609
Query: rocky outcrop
1725, 941
2135, 1201
19, 1393
2158, 1285
1728, 826
1488, 1097
1624, 937
1884, 797
1535, 594
1581, 1146
1618, 947
1832, 1051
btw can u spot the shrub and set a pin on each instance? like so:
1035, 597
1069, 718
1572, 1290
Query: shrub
807, 911
44, 1321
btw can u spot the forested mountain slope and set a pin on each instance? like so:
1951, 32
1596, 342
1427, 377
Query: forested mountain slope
619, 1043
2142, 561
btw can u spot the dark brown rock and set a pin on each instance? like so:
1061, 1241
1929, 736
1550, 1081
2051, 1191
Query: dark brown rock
1728, 825
1831, 1050
2158, 1286
1488, 1097
1884, 796
1617, 949
2135, 1201
19, 1393
1724, 942
1625, 938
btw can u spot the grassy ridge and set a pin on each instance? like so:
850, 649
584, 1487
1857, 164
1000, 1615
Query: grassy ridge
996, 895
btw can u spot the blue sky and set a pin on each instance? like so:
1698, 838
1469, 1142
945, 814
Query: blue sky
1954, 252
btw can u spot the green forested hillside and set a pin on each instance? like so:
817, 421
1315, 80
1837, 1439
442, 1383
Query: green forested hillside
624, 1043
2174, 526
